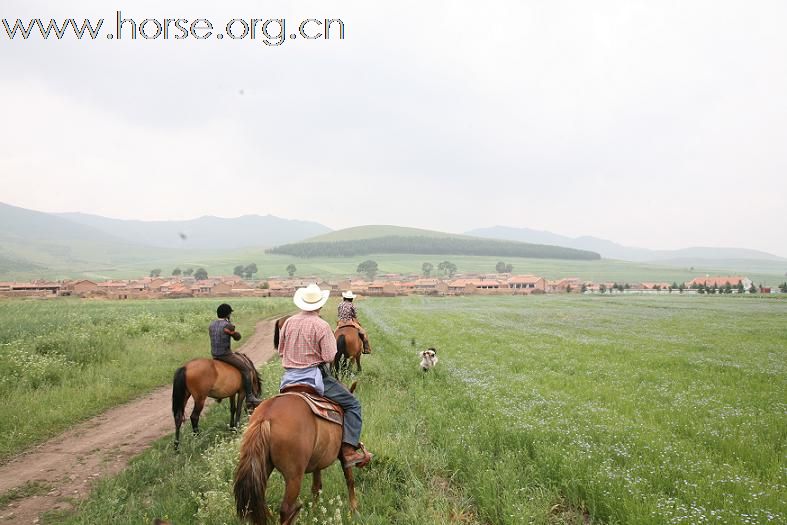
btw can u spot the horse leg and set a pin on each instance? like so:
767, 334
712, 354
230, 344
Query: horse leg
358, 362
179, 421
199, 404
289, 506
348, 477
316, 483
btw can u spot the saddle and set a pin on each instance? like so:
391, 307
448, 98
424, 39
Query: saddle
342, 324
320, 406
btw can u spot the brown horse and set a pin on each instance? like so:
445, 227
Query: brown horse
284, 434
348, 348
204, 378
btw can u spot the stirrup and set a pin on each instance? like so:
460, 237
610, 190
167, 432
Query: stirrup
361, 458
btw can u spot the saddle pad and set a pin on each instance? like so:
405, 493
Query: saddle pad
321, 407
342, 324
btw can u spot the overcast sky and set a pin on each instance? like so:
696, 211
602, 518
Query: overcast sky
660, 124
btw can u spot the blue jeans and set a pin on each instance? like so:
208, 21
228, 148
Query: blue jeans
336, 391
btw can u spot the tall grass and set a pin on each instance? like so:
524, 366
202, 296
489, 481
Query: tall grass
545, 410
62, 361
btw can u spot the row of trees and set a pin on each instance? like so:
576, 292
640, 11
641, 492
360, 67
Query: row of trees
200, 273
245, 271
444, 268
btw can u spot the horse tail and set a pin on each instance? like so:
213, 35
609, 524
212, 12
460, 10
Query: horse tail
276, 335
179, 394
341, 353
251, 475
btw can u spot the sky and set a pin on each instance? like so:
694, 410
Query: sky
653, 124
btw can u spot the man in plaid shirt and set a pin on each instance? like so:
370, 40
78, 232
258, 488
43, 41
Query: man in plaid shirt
348, 316
306, 343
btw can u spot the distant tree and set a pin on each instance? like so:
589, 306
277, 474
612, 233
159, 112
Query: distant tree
728, 288
155, 273
238, 270
188, 271
291, 269
368, 268
753, 288
584, 288
602, 288
568, 288
626, 286
250, 270
681, 287
176, 271
201, 274
426, 269
700, 288
741, 289
447, 268
509, 268
265, 285
782, 287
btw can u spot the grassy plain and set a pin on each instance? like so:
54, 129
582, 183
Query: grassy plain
551, 409
62, 361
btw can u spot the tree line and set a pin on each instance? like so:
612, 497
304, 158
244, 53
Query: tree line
431, 245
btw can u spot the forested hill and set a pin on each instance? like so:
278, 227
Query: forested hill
431, 246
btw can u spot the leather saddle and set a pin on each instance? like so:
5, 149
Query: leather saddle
320, 406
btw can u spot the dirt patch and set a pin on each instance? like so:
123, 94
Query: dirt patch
69, 464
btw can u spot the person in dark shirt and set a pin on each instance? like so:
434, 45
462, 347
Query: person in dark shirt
221, 330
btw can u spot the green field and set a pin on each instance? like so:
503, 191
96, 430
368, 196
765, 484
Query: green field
62, 361
551, 409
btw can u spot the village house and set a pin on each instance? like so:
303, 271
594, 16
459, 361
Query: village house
527, 284
720, 282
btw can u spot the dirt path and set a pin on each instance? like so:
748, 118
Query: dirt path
102, 446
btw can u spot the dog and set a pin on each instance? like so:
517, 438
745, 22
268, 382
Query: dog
428, 359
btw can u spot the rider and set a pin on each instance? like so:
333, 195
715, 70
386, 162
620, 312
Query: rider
347, 316
306, 346
220, 331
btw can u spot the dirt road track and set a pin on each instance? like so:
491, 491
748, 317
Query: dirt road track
100, 447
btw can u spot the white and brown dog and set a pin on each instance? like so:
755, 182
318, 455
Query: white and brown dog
428, 359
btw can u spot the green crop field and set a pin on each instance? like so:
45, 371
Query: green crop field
62, 361
550, 409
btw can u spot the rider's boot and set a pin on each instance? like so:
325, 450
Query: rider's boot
251, 400
366, 349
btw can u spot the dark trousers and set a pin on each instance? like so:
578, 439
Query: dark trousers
236, 361
336, 391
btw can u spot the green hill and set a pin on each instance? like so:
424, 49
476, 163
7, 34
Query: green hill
374, 231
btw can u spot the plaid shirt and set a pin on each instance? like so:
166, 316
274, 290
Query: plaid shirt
347, 311
306, 340
219, 339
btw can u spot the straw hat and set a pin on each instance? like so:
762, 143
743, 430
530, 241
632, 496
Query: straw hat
348, 294
310, 298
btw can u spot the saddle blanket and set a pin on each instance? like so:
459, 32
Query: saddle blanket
321, 407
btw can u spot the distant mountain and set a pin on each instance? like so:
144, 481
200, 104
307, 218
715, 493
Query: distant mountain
696, 256
33, 241
205, 233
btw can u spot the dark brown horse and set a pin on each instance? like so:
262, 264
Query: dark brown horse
348, 348
204, 378
277, 330
285, 435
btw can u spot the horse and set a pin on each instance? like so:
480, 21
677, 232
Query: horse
203, 378
277, 329
284, 434
348, 348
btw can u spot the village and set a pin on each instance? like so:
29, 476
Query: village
387, 285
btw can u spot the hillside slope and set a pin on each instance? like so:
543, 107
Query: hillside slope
209, 233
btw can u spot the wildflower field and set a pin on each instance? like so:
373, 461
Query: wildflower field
62, 361
549, 409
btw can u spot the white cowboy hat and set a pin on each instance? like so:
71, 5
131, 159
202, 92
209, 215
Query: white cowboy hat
348, 294
310, 298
